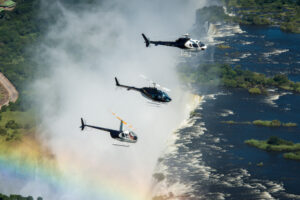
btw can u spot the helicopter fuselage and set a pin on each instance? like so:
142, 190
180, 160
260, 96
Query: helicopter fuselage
185, 43
120, 135
151, 93
155, 94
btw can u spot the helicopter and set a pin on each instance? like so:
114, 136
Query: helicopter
185, 43
120, 135
151, 93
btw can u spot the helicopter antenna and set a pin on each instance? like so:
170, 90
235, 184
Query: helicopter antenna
186, 35
154, 83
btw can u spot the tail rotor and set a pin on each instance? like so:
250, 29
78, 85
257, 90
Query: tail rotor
82, 125
147, 41
117, 82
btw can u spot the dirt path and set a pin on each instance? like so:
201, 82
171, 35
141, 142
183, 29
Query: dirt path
8, 91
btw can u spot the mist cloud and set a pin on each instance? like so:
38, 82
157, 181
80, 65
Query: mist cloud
83, 51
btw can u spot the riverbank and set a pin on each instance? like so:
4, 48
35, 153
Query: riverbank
224, 75
284, 14
215, 162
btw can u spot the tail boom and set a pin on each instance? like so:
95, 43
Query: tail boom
125, 86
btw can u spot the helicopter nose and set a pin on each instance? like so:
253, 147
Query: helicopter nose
135, 138
169, 99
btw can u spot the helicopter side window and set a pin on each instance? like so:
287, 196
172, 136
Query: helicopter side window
123, 135
201, 44
195, 45
191, 45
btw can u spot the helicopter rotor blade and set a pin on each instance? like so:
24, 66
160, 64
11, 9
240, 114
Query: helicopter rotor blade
147, 79
125, 123
166, 89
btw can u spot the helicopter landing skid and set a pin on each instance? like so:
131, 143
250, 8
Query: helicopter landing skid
186, 54
154, 104
121, 145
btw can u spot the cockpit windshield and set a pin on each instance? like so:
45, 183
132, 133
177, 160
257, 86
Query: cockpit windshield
162, 95
132, 135
165, 95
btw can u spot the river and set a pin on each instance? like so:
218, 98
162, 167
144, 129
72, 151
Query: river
209, 159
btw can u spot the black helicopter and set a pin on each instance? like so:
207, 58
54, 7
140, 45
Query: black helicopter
185, 43
120, 135
151, 93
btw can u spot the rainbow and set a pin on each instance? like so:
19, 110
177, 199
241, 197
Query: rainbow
30, 163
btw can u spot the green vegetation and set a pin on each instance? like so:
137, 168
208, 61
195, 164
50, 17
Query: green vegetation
285, 13
260, 164
20, 29
273, 123
17, 197
223, 46
7, 3
292, 155
289, 124
229, 122
14, 124
211, 14
274, 144
234, 77
254, 90
234, 122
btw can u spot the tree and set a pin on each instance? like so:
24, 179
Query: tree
281, 79
254, 90
275, 123
12, 125
273, 140
3, 131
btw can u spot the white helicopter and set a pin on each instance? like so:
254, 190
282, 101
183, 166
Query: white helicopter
185, 43
120, 135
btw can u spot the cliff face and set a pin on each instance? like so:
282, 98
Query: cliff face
8, 91
7, 5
